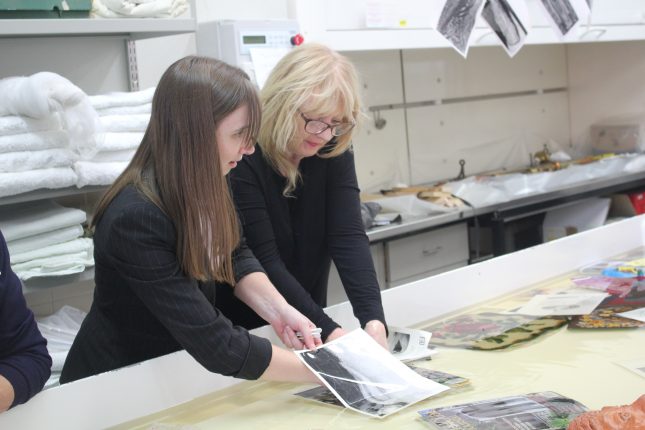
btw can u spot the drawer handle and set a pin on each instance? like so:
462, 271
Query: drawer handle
430, 253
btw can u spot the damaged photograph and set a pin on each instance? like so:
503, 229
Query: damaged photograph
365, 377
503, 20
562, 14
457, 21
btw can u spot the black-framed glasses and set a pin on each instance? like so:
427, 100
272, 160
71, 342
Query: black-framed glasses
315, 126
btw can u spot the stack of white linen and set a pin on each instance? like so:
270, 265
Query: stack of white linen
138, 8
124, 117
46, 122
44, 239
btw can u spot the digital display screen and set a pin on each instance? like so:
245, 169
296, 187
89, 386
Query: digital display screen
254, 40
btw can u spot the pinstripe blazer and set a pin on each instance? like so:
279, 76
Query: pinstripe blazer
145, 306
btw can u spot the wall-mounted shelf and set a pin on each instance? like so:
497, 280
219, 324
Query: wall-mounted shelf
49, 194
136, 28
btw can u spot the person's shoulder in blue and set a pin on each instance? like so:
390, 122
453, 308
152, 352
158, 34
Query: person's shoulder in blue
25, 364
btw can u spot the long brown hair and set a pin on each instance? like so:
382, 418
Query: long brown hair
177, 165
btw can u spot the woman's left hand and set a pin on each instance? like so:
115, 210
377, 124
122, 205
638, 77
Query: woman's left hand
288, 322
376, 329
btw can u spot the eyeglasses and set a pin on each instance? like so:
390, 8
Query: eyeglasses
315, 126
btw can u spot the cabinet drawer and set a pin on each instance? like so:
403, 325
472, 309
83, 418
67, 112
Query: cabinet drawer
426, 252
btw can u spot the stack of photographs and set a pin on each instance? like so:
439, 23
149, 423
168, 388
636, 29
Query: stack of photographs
538, 411
367, 378
407, 344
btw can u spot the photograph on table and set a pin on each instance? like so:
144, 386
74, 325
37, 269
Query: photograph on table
562, 304
409, 344
502, 18
606, 317
545, 411
365, 377
323, 395
491, 331
457, 21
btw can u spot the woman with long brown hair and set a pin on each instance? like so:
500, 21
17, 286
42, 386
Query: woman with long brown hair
166, 234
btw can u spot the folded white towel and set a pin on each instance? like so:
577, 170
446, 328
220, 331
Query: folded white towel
20, 124
54, 266
138, 9
42, 240
114, 123
120, 141
90, 173
35, 141
32, 160
72, 247
116, 99
38, 95
111, 156
37, 217
126, 110
22, 182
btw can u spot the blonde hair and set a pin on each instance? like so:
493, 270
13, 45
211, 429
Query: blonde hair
177, 165
327, 83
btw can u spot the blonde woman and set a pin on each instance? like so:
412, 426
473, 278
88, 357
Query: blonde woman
298, 195
166, 233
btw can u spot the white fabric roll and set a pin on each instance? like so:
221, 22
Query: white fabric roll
19, 124
32, 160
22, 182
42, 240
104, 101
32, 218
35, 141
59, 265
126, 110
72, 247
38, 95
90, 173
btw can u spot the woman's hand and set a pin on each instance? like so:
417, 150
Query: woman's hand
376, 329
288, 321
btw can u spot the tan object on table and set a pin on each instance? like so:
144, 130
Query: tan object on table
628, 417
437, 195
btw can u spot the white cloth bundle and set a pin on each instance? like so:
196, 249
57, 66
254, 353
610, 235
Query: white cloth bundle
126, 110
38, 95
42, 240
35, 141
117, 99
19, 124
139, 8
111, 156
72, 247
32, 160
38, 217
58, 265
120, 141
119, 123
22, 182
90, 173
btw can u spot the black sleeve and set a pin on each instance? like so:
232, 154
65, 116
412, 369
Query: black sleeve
258, 231
244, 262
142, 249
348, 243
24, 360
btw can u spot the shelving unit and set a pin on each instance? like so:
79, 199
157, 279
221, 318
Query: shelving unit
99, 56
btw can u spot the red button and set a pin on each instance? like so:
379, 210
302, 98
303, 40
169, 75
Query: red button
297, 39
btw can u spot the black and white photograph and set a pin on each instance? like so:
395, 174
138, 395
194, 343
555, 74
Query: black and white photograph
365, 377
407, 344
323, 395
457, 20
505, 22
562, 15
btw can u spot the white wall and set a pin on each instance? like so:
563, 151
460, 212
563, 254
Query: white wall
605, 80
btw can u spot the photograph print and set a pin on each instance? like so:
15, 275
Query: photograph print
562, 14
457, 21
365, 377
503, 20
